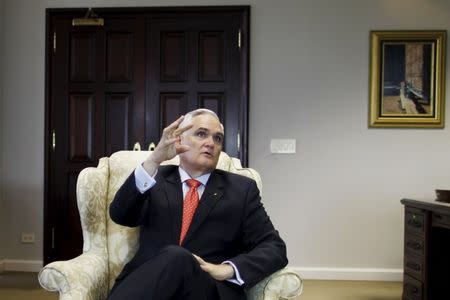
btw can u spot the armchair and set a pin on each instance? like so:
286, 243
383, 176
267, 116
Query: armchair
108, 246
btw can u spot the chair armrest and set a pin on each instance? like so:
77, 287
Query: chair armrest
83, 278
284, 284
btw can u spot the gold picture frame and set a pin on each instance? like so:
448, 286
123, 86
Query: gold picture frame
407, 79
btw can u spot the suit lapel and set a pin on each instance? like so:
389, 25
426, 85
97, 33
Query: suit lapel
174, 195
211, 195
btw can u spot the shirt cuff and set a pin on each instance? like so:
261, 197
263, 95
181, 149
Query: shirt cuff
237, 277
143, 180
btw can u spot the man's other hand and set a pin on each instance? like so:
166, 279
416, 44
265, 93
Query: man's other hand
218, 272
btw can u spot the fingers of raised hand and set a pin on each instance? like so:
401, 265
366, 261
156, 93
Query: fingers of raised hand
179, 131
174, 125
174, 132
170, 141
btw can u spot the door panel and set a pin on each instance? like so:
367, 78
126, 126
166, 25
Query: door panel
97, 84
119, 57
81, 120
212, 101
82, 56
210, 56
172, 106
173, 56
112, 86
75, 103
117, 122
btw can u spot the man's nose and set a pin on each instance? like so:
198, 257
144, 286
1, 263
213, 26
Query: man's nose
209, 141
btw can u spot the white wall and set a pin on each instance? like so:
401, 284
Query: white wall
337, 201
2, 218
23, 130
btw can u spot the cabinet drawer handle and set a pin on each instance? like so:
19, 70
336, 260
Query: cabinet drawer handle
415, 223
439, 217
414, 266
414, 245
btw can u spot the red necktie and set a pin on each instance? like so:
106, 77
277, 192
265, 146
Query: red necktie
190, 204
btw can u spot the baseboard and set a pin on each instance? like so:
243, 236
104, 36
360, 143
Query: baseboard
21, 265
369, 274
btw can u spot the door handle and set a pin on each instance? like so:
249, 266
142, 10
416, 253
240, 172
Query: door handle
137, 147
151, 147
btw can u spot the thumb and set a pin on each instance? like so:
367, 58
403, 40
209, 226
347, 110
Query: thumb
182, 148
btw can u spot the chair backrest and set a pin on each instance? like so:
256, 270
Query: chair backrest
122, 242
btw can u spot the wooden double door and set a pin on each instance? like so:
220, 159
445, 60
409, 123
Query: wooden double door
116, 86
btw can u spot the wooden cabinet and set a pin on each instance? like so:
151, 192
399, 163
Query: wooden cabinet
415, 252
426, 250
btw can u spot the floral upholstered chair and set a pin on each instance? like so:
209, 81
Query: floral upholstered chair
108, 246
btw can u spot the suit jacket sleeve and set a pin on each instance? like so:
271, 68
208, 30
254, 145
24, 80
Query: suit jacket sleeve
265, 250
129, 206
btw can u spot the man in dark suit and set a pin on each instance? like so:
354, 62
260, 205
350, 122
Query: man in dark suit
204, 234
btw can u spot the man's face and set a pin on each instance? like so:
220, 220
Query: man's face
205, 140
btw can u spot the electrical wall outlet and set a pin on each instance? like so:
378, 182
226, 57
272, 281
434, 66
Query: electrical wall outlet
28, 237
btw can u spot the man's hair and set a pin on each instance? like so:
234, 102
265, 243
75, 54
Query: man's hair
201, 111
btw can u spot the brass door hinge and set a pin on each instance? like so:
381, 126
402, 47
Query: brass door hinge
53, 140
238, 141
54, 42
53, 237
239, 39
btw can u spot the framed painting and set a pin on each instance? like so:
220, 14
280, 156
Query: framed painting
407, 78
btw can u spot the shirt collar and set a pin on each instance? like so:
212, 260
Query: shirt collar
185, 176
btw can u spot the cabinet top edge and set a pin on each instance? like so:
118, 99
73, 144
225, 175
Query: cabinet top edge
426, 204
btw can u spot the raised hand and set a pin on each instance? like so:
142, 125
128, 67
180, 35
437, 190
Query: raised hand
218, 272
168, 147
